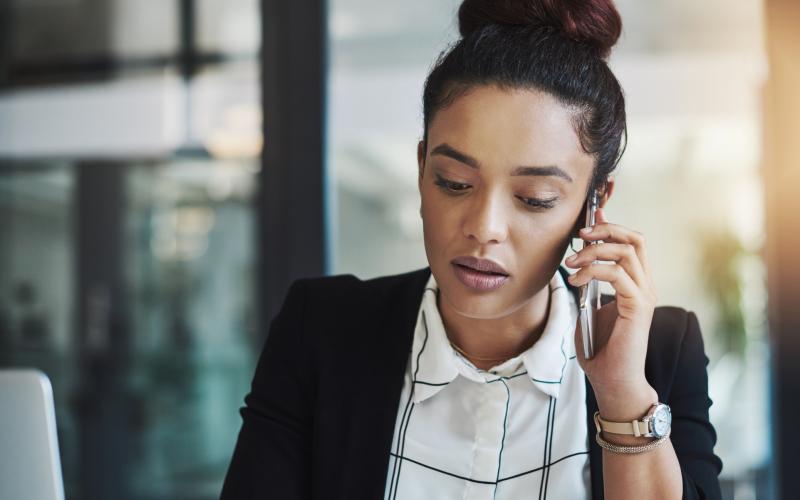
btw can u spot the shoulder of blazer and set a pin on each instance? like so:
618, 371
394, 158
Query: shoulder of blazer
344, 312
347, 293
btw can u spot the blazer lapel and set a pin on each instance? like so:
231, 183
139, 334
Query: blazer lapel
376, 408
595, 452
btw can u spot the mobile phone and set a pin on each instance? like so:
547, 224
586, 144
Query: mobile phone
589, 301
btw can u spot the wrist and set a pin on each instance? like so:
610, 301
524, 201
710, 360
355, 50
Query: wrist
624, 404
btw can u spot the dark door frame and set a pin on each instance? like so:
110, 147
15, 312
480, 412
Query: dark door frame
292, 186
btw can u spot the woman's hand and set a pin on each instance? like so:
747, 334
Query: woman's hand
616, 371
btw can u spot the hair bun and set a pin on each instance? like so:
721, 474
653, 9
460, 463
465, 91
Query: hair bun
593, 22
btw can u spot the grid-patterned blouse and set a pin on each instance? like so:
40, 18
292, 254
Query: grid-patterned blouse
515, 431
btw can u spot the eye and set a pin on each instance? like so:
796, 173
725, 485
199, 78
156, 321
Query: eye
538, 203
450, 185
458, 187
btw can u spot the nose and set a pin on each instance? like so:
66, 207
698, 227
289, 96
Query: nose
485, 220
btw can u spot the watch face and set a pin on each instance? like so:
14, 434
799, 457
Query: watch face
662, 420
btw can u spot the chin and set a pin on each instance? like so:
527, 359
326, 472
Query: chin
474, 305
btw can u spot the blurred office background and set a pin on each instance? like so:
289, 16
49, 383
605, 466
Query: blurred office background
149, 228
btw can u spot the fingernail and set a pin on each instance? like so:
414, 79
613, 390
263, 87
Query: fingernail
586, 230
571, 258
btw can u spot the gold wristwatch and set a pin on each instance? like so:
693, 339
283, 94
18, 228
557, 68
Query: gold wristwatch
656, 423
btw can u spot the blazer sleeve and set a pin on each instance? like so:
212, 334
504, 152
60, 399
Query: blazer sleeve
272, 456
693, 436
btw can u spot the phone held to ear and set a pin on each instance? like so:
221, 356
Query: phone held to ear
589, 301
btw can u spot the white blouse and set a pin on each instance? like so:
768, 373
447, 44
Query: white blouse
515, 431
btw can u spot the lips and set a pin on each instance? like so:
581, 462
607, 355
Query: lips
482, 265
479, 281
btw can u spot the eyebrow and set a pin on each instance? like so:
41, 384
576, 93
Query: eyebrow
445, 149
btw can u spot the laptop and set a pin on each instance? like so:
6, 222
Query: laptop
30, 465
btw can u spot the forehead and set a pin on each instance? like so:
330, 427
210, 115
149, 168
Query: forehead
509, 127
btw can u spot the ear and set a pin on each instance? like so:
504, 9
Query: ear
607, 193
601, 202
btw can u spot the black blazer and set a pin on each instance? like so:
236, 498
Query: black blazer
319, 418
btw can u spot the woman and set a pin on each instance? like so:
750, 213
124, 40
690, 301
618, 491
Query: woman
462, 379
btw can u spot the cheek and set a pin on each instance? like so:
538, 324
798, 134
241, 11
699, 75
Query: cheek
441, 227
539, 228
438, 211
437, 221
542, 236
431, 212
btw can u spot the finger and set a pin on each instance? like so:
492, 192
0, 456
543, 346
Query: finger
622, 253
600, 216
637, 241
616, 233
611, 273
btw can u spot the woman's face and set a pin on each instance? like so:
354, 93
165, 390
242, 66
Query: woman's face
504, 178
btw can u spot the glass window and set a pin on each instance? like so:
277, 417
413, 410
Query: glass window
231, 27
37, 284
89, 30
104, 79
190, 268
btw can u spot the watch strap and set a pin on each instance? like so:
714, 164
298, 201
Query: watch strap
632, 428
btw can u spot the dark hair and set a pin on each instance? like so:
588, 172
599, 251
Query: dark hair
555, 46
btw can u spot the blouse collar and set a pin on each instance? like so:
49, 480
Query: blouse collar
434, 362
